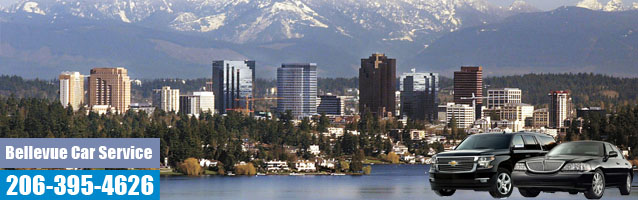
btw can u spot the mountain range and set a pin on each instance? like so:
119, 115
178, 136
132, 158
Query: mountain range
180, 38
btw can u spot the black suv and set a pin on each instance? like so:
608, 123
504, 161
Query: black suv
484, 162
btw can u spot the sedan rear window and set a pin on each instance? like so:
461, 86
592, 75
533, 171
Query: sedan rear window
486, 141
578, 149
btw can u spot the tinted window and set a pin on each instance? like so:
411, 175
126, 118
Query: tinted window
578, 148
486, 141
548, 143
518, 141
530, 143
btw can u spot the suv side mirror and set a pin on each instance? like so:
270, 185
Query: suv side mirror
613, 154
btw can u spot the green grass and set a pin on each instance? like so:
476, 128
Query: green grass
171, 173
373, 160
209, 172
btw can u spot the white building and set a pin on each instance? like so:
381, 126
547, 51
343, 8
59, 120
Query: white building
462, 113
334, 132
305, 166
198, 103
314, 149
559, 108
276, 166
206, 101
72, 89
169, 99
207, 163
508, 126
399, 148
500, 97
417, 134
482, 125
517, 112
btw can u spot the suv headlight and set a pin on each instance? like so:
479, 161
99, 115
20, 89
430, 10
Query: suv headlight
520, 167
434, 160
578, 167
485, 161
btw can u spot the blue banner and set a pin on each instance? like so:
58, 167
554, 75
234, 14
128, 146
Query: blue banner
79, 184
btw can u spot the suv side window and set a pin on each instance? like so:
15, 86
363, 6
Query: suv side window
518, 140
530, 143
547, 142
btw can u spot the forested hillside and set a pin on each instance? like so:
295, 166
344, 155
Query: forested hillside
586, 89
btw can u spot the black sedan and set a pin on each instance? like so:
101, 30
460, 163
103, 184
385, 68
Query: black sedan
583, 166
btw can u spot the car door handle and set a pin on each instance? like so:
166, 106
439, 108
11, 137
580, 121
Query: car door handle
527, 156
618, 163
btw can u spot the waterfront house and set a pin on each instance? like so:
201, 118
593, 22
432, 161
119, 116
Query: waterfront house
314, 149
277, 166
305, 166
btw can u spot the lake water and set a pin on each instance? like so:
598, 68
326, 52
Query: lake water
385, 182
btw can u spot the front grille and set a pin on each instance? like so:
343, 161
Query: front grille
463, 164
544, 166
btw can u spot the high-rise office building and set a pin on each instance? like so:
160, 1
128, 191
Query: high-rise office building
419, 95
297, 89
233, 82
72, 89
377, 85
169, 99
111, 87
206, 101
559, 108
499, 97
462, 113
517, 112
468, 82
330, 105
197, 103
541, 118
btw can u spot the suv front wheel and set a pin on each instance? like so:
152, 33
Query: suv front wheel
502, 187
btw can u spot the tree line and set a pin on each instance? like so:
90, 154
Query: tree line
213, 137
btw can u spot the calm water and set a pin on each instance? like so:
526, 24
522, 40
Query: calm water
385, 182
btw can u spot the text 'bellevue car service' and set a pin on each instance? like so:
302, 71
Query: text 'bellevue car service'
79, 168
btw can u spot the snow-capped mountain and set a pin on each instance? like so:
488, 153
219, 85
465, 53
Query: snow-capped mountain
590, 4
242, 21
179, 38
611, 6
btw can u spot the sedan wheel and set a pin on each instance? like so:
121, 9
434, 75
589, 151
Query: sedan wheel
625, 188
597, 188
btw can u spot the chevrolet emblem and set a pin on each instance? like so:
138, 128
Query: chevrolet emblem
453, 163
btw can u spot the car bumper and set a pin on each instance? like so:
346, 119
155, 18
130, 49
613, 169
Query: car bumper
559, 181
479, 181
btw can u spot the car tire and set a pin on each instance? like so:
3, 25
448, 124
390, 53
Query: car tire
502, 186
597, 188
625, 188
527, 192
445, 192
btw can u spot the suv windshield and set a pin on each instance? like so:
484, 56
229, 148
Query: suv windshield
578, 148
486, 141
